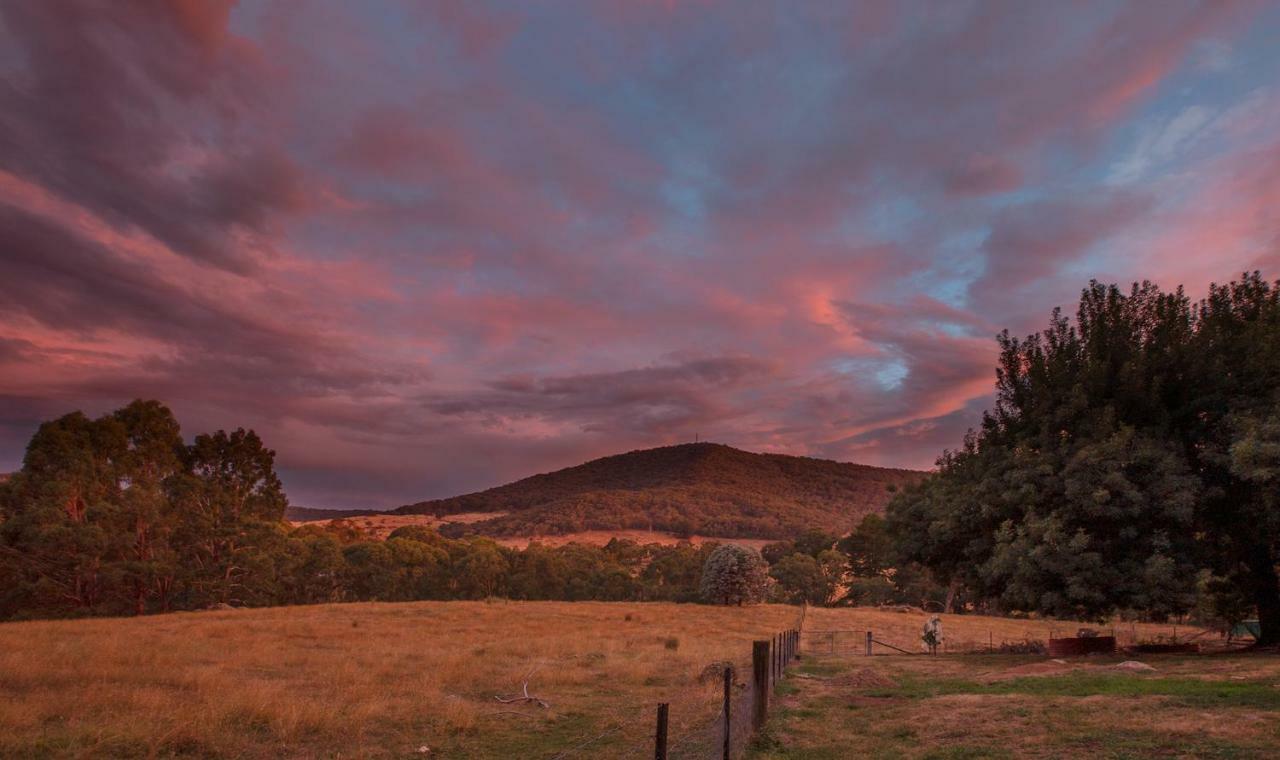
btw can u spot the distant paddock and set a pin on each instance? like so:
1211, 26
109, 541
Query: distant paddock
381, 526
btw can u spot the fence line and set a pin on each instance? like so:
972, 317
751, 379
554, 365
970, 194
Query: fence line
744, 707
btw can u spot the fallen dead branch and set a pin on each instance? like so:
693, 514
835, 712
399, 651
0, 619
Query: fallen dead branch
524, 695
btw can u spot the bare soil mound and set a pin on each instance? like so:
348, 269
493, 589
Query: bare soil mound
866, 678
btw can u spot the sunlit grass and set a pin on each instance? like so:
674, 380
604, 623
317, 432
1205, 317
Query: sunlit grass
365, 680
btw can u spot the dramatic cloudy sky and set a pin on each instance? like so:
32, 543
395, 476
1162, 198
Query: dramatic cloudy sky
426, 247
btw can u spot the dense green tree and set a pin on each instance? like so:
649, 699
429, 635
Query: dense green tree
869, 547
479, 568
145, 468
774, 552
801, 578
814, 541
314, 570
1125, 451
63, 503
230, 509
674, 572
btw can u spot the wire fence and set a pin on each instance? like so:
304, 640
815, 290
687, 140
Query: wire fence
720, 732
721, 723
842, 642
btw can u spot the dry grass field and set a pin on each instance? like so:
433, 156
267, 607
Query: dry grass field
381, 526
367, 680
384, 680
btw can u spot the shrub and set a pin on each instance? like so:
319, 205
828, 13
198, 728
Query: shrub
734, 575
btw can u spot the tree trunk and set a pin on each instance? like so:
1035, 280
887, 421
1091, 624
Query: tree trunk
949, 607
1266, 593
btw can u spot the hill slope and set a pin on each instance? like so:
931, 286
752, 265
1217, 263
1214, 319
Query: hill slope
699, 488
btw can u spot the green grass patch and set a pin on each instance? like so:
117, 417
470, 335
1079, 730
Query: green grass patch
1188, 692
814, 667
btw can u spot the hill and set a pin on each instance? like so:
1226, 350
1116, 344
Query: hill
700, 488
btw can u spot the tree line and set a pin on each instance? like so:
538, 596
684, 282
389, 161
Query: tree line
118, 515
1131, 462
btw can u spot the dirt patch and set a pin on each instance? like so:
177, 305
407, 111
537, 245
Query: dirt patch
866, 678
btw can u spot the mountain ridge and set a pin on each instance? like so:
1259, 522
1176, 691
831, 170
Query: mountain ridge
685, 489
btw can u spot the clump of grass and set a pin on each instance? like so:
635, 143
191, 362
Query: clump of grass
671, 643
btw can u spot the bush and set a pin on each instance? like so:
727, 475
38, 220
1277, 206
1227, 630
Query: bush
734, 575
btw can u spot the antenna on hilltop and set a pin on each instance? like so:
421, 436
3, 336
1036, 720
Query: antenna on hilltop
695, 437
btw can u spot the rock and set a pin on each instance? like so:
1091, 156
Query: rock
1135, 666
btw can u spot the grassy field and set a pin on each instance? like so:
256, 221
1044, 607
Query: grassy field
1001, 706
368, 680
384, 680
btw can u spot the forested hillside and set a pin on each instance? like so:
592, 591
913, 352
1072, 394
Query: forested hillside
699, 488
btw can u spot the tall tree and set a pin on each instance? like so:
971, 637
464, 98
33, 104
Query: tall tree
63, 503
1125, 451
231, 507
151, 457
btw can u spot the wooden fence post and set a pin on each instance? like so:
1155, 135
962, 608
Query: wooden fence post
868, 643
728, 701
660, 738
760, 683
773, 660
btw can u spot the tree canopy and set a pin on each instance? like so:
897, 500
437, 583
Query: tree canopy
1127, 451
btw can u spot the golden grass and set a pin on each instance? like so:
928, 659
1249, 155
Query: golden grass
366, 680
381, 526
382, 680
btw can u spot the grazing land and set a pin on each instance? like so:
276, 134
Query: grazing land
384, 680
382, 525
1008, 706
368, 680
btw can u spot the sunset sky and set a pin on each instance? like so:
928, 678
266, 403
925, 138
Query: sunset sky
425, 248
